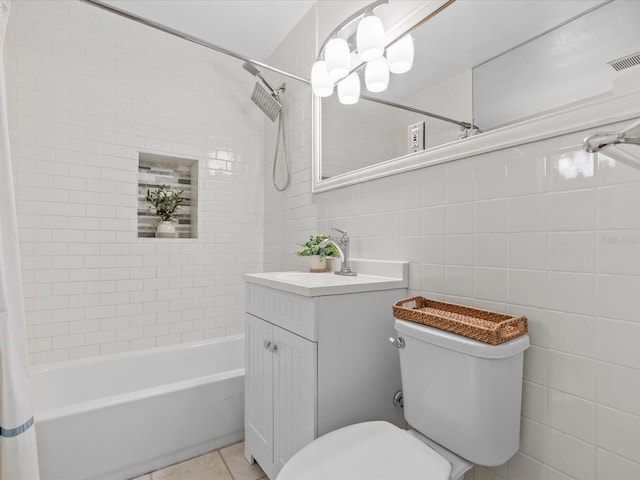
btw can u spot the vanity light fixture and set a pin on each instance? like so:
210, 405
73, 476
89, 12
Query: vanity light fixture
337, 63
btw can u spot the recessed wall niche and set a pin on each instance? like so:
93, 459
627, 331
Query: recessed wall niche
178, 174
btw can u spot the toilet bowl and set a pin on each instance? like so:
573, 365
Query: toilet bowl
373, 451
464, 394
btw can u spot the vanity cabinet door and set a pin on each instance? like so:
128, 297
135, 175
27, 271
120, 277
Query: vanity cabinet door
258, 389
280, 394
294, 395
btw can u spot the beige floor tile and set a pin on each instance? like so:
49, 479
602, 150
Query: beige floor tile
233, 456
205, 467
143, 477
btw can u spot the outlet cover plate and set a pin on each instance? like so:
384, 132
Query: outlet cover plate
415, 137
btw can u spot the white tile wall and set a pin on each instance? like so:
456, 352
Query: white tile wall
542, 230
88, 90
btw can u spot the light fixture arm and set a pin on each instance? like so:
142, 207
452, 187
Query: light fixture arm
409, 30
355, 16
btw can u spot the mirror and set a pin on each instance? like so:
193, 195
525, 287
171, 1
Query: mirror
472, 67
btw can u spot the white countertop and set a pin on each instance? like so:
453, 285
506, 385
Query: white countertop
376, 275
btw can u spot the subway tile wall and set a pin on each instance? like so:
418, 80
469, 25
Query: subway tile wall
88, 91
542, 230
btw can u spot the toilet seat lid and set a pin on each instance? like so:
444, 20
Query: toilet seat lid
366, 451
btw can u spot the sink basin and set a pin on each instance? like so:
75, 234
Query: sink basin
394, 275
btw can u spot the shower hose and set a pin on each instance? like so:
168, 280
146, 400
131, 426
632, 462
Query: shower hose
281, 128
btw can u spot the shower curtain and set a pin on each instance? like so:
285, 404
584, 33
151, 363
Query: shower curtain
18, 451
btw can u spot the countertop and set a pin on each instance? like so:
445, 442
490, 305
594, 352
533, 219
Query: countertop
373, 275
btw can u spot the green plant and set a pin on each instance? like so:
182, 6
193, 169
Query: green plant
165, 202
312, 247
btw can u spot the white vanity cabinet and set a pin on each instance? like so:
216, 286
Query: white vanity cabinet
315, 364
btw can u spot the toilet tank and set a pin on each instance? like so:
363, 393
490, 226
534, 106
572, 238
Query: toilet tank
461, 393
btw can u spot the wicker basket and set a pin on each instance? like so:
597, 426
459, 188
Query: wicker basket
483, 325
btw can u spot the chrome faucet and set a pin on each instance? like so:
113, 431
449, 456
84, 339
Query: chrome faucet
342, 246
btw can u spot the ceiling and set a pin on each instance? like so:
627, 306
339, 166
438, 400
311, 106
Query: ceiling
466, 34
251, 28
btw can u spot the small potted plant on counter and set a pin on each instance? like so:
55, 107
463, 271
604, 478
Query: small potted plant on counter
165, 203
317, 255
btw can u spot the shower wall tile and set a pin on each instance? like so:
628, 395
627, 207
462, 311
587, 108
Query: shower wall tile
82, 107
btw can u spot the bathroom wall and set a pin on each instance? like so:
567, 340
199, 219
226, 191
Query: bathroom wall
291, 215
544, 230
88, 91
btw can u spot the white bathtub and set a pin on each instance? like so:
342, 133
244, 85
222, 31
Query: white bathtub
123, 415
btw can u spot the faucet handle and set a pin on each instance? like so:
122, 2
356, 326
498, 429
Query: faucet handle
344, 234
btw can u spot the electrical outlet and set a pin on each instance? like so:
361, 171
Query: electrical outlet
416, 137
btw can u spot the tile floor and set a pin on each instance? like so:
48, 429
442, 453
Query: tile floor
225, 464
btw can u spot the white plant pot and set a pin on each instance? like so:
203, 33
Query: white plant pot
166, 230
317, 264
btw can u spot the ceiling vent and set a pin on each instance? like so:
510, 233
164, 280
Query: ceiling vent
626, 62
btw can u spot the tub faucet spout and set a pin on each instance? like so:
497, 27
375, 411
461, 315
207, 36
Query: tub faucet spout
342, 246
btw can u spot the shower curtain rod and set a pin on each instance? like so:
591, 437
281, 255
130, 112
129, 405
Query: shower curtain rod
466, 125
198, 41
189, 38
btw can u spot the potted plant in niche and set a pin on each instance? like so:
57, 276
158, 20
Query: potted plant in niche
317, 255
165, 203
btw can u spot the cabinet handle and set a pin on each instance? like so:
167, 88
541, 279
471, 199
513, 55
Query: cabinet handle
267, 344
274, 348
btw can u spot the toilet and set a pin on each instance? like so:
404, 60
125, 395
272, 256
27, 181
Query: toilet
461, 399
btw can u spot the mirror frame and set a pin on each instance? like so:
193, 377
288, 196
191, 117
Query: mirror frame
595, 112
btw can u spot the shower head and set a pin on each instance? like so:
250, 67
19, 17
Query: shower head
597, 141
268, 103
256, 72
251, 68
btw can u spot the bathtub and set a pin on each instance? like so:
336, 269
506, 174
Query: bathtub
123, 415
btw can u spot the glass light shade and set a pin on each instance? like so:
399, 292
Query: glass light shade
349, 89
321, 83
376, 75
338, 58
400, 55
370, 38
